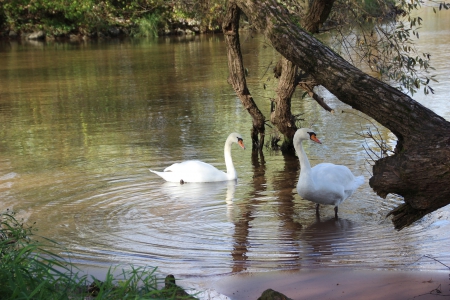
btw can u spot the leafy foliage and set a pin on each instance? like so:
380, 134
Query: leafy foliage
380, 37
61, 17
208, 12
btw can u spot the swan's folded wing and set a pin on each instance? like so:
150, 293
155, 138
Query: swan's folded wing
190, 166
192, 171
331, 173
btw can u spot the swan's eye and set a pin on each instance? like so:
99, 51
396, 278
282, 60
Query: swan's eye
311, 134
240, 140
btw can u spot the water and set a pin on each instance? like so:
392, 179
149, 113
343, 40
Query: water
81, 124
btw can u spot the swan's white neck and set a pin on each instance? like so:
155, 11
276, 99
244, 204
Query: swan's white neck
231, 171
305, 178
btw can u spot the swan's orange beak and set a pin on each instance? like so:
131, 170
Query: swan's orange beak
241, 143
315, 139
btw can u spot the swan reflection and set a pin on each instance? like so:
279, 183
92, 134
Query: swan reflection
196, 192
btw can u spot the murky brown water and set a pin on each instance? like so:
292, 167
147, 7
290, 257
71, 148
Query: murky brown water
82, 124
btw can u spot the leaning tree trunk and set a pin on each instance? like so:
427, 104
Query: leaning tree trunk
420, 169
281, 115
236, 77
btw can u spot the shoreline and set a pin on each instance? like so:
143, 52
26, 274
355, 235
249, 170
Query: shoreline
328, 283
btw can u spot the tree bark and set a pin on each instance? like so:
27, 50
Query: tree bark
236, 77
317, 15
420, 168
281, 116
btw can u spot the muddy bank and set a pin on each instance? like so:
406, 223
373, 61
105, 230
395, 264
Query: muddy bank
332, 283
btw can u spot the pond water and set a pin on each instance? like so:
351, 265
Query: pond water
81, 124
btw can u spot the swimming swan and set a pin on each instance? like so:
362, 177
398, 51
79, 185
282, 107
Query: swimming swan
198, 171
325, 183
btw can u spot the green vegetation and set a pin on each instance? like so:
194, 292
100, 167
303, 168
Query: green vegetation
59, 18
28, 271
147, 26
381, 38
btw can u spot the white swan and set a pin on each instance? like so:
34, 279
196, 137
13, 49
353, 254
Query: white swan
198, 171
325, 183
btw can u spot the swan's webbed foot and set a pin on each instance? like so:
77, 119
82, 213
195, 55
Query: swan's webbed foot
181, 181
335, 212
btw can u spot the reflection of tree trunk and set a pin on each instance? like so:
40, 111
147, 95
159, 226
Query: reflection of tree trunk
240, 237
420, 169
247, 211
237, 76
284, 186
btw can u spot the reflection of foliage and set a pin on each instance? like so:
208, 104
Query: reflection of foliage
375, 33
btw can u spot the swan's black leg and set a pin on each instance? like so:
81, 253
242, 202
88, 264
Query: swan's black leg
317, 209
335, 212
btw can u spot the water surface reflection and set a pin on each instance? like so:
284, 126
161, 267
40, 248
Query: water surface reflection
79, 134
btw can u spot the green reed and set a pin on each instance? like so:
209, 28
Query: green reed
147, 26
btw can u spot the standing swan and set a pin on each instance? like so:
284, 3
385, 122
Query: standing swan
198, 171
326, 183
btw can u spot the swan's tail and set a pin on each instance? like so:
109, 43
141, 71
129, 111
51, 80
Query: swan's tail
359, 180
167, 176
160, 174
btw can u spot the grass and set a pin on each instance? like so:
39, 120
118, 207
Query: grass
147, 26
29, 271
